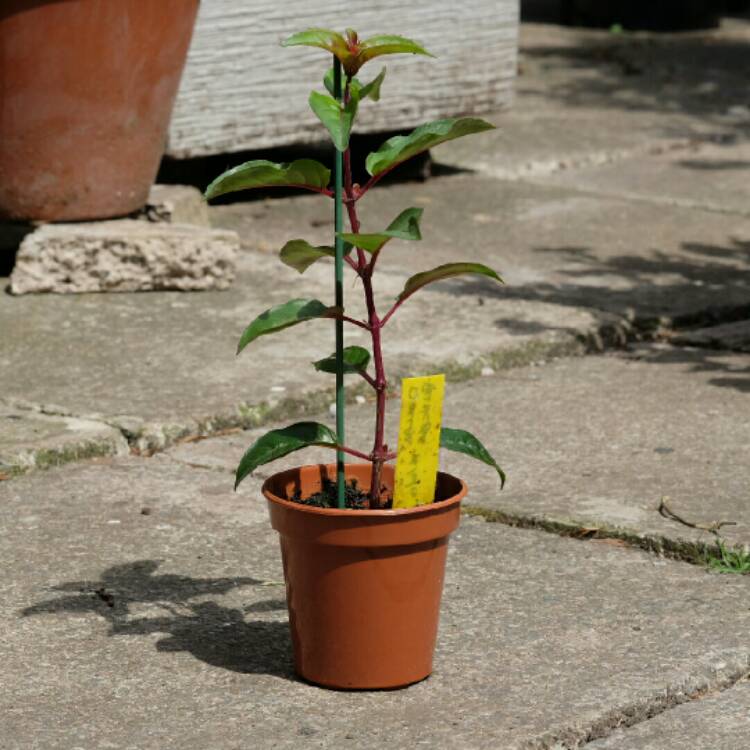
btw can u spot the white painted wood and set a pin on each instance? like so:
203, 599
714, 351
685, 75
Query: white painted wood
241, 90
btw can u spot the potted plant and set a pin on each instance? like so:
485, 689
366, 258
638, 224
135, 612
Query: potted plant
86, 93
363, 579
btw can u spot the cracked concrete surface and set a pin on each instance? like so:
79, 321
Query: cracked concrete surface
143, 597
31, 439
166, 627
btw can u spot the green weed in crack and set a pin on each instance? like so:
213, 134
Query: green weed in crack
724, 559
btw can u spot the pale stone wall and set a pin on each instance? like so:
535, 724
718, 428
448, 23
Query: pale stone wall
241, 90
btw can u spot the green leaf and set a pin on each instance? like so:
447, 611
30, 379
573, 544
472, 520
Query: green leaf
384, 44
323, 38
337, 119
282, 316
352, 53
356, 89
328, 40
403, 147
300, 254
328, 82
356, 359
372, 89
278, 443
404, 227
444, 272
304, 173
462, 441
355, 85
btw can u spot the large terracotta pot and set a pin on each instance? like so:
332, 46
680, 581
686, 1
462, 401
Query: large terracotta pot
363, 587
86, 92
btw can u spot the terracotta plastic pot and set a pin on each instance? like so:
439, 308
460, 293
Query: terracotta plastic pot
363, 587
86, 92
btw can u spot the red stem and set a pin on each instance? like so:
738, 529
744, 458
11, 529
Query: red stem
322, 191
390, 312
353, 452
379, 450
353, 321
374, 180
368, 378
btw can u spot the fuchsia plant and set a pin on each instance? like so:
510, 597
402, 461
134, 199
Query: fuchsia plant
338, 116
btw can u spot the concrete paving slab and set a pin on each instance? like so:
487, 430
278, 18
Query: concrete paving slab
148, 364
168, 629
698, 75
556, 245
713, 177
599, 443
163, 365
590, 445
734, 336
529, 143
30, 439
588, 97
720, 721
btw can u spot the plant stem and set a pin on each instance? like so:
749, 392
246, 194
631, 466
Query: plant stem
353, 452
353, 321
339, 289
379, 450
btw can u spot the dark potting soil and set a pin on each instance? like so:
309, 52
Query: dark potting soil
355, 498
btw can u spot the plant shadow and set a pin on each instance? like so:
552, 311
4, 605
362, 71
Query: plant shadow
699, 286
699, 75
711, 279
729, 371
217, 635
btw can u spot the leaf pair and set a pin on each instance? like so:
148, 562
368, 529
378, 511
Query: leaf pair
338, 117
312, 175
350, 50
278, 443
356, 89
300, 254
404, 227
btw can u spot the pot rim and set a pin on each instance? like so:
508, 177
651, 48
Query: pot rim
353, 513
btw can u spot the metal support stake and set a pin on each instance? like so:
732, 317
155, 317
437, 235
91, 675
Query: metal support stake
339, 271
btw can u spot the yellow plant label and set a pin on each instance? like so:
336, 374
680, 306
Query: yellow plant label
418, 440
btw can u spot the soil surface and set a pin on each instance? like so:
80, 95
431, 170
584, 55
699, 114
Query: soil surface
355, 498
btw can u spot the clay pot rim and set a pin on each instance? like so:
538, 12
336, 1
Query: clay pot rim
351, 512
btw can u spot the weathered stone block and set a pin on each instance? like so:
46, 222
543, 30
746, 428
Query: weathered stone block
124, 256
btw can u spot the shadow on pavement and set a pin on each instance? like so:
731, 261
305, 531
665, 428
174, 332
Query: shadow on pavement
701, 278
217, 635
714, 165
700, 75
731, 370
709, 284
